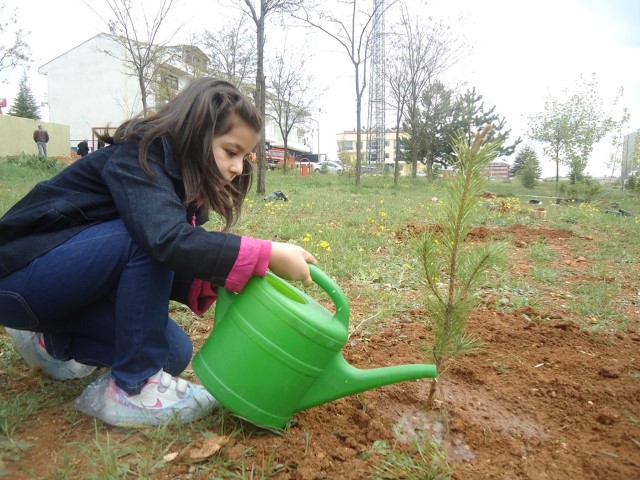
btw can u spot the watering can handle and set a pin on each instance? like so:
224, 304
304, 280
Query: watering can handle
335, 293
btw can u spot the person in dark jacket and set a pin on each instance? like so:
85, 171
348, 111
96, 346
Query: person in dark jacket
83, 148
41, 137
90, 258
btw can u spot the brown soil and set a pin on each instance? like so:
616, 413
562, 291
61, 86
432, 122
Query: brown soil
542, 399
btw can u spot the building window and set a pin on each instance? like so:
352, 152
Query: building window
347, 145
170, 81
192, 59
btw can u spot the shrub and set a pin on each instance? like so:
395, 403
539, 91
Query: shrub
48, 164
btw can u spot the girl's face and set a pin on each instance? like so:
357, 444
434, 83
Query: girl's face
230, 149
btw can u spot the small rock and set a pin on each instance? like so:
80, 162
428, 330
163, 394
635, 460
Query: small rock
607, 373
607, 416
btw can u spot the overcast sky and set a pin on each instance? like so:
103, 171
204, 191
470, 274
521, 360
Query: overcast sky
522, 52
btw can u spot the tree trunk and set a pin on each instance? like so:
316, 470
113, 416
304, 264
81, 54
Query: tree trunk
430, 175
396, 173
557, 174
285, 159
358, 130
261, 102
143, 96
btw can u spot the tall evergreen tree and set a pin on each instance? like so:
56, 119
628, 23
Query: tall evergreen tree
25, 104
437, 108
472, 116
526, 156
527, 167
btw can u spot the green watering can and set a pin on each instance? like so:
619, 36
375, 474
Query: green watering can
275, 351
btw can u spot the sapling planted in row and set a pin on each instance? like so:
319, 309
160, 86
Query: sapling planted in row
453, 265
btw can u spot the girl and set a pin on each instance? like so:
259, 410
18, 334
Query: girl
90, 258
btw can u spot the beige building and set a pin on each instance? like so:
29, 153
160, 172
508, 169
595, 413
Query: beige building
347, 149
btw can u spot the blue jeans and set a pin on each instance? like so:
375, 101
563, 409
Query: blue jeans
42, 149
101, 300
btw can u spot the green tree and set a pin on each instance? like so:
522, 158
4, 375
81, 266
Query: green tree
427, 49
16, 51
527, 167
518, 163
25, 104
528, 178
570, 126
437, 109
470, 116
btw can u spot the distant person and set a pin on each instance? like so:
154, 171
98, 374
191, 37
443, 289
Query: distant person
83, 148
41, 137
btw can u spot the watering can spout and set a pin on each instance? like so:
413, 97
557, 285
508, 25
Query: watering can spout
341, 379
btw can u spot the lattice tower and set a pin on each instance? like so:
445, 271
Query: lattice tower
375, 134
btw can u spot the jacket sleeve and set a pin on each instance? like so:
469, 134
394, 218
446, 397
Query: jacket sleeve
253, 260
200, 295
154, 215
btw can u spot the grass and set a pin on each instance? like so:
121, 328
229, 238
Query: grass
424, 460
366, 238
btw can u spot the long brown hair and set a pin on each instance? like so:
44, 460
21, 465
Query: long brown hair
205, 109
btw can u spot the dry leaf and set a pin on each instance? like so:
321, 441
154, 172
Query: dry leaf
169, 457
202, 449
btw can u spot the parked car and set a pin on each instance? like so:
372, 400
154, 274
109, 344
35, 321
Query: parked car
327, 166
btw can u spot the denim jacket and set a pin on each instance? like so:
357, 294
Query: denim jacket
110, 183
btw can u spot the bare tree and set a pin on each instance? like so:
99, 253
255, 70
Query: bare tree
232, 53
288, 98
428, 50
398, 83
259, 17
145, 54
189, 58
17, 52
353, 34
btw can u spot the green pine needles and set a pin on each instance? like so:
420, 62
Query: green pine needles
453, 265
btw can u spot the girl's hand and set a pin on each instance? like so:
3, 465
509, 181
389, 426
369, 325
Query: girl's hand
291, 262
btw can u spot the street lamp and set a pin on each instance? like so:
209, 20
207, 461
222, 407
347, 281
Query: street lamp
317, 130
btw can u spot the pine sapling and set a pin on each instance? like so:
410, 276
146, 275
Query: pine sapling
453, 265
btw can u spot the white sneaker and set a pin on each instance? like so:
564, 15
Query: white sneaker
162, 399
31, 346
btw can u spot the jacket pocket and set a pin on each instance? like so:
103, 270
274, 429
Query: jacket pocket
61, 215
